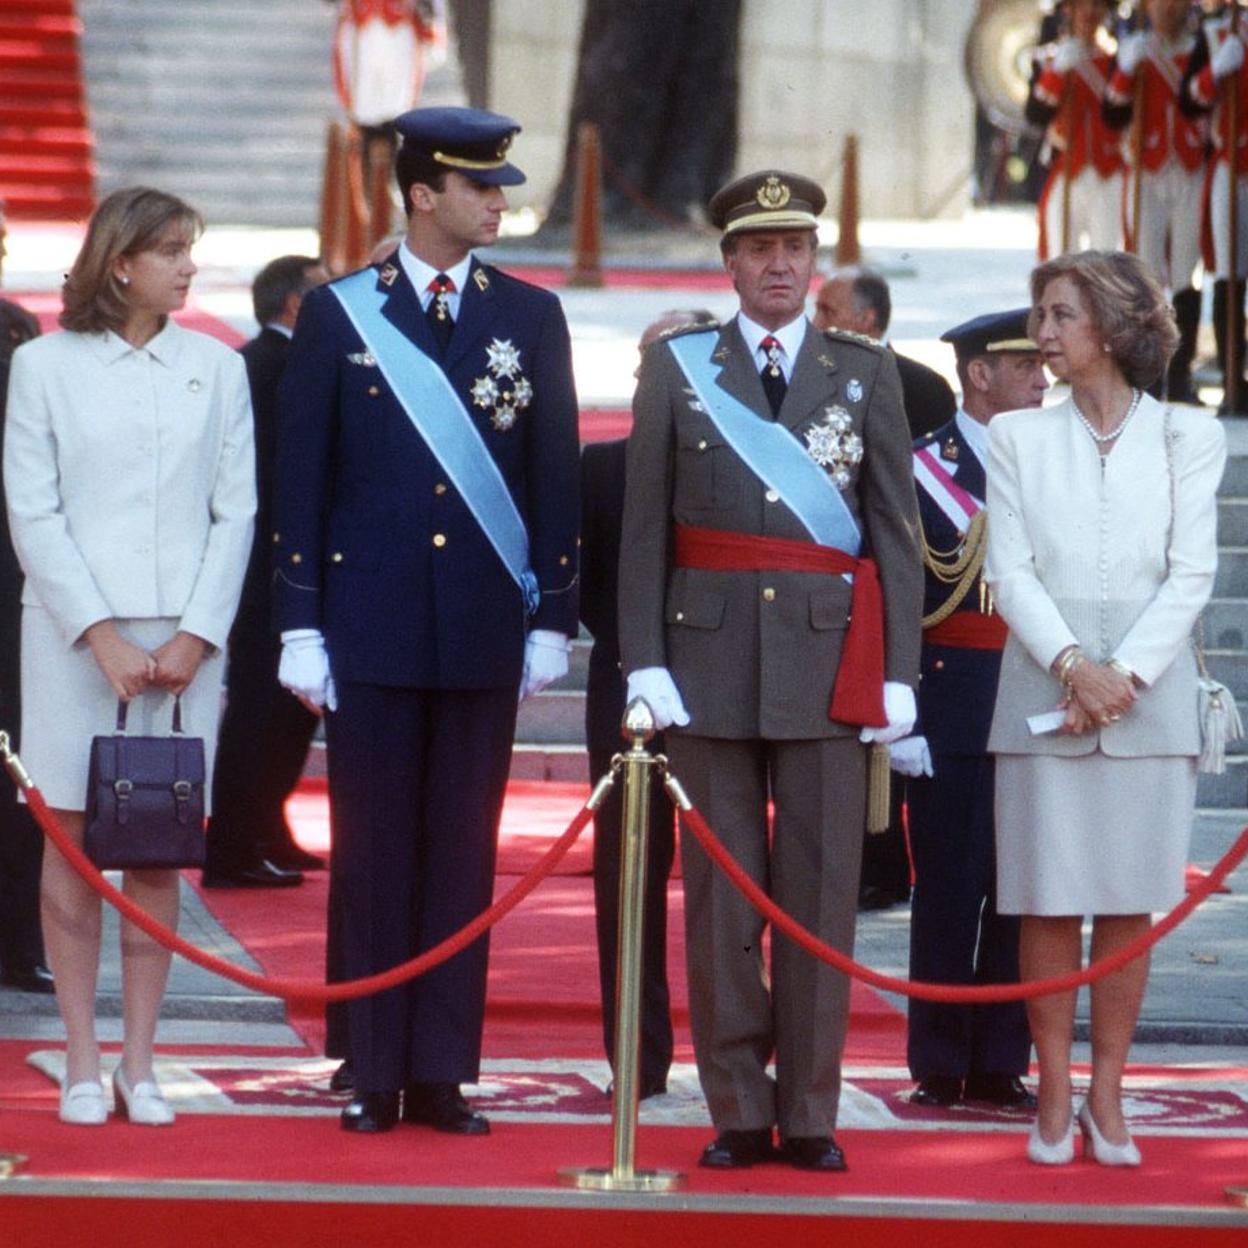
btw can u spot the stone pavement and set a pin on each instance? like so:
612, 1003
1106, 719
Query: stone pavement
941, 273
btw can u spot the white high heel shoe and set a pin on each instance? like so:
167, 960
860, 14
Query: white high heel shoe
82, 1104
1059, 1153
143, 1104
1096, 1146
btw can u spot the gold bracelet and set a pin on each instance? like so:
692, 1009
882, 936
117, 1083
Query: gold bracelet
1123, 670
1069, 659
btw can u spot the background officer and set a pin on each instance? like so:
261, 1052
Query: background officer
742, 658
974, 1052
425, 546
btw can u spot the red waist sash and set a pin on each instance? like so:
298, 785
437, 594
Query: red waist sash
858, 694
968, 630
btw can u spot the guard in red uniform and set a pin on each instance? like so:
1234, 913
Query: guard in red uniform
1070, 79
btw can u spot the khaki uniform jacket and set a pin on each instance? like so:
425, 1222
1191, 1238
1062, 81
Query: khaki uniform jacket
755, 655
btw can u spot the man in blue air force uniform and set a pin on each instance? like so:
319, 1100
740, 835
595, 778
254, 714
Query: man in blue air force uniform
956, 1052
425, 551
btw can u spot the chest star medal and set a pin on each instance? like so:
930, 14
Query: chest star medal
833, 444
504, 392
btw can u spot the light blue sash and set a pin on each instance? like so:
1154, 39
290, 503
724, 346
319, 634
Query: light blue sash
439, 416
769, 450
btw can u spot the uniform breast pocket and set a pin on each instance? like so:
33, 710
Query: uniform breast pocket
829, 608
706, 472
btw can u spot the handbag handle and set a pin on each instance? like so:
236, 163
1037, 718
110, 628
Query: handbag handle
123, 707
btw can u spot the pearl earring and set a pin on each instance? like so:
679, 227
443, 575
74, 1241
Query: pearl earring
124, 280
1106, 348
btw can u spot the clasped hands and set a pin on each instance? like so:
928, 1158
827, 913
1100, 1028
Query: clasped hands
1097, 695
130, 669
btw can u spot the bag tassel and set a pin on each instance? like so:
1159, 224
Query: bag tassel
1220, 724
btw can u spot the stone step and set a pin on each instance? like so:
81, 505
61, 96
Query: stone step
1232, 578
1227, 791
1235, 478
1225, 623
1233, 521
1231, 668
552, 718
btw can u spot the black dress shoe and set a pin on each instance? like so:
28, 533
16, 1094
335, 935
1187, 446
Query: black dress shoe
872, 897
343, 1079
648, 1088
813, 1152
939, 1090
1006, 1091
292, 857
738, 1150
442, 1107
261, 874
371, 1113
33, 978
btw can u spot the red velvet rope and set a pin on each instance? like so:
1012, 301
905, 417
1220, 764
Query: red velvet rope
958, 993
306, 989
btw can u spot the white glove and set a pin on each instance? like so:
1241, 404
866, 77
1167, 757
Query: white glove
545, 660
899, 710
304, 669
656, 686
1131, 49
1069, 53
911, 757
1227, 57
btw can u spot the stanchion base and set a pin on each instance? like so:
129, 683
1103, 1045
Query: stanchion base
1238, 1196
11, 1163
597, 1179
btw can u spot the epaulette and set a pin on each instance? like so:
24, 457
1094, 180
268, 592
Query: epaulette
848, 335
693, 327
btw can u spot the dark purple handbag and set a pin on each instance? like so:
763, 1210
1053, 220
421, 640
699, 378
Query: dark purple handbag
145, 798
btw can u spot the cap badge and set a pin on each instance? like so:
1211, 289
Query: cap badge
504, 391
833, 444
853, 391
950, 449
773, 193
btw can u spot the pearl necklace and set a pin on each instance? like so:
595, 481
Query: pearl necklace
1109, 435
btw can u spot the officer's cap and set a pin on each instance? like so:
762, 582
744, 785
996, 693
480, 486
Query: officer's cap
768, 200
990, 333
469, 140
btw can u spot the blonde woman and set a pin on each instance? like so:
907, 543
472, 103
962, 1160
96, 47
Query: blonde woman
130, 479
1101, 553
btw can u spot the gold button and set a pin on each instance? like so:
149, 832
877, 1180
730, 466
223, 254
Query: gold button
337, 556
772, 496
374, 391
680, 615
277, 537
939, 664
440, 488
296, 558
702, 444
439, 539
563, 561
769, 594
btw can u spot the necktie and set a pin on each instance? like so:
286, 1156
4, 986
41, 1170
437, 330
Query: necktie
774, 384
439, 311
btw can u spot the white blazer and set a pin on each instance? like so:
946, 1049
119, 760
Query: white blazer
1118, 557
130, 478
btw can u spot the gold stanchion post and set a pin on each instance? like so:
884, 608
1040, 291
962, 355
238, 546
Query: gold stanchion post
587, 208
623, 1176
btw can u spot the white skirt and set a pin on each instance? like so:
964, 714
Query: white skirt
1092, 834
66, 701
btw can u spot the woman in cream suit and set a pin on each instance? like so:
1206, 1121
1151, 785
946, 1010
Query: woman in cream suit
129, 471
1101, 553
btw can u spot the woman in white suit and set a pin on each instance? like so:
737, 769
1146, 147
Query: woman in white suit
130, 479
1101, 553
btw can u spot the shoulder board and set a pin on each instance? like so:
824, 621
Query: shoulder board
923, 442
848, 335
694, 327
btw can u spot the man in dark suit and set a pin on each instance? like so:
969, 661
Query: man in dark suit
602, 513
264, 734
21, 842
857, 299
425, 529
766, 458
956, 1052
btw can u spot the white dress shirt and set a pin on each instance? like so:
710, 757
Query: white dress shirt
790, 337
421, 274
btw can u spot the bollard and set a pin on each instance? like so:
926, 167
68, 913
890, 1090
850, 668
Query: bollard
333, 201
380, 205
587, 211
637, 764
847, 249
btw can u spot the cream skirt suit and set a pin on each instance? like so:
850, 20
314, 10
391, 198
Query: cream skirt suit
1118, 555
130, 479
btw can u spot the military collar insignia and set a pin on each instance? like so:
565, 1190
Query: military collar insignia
721, 354
504, 391
773, 194
828, 362
389, 274
482, 279
833, 444
950, 450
